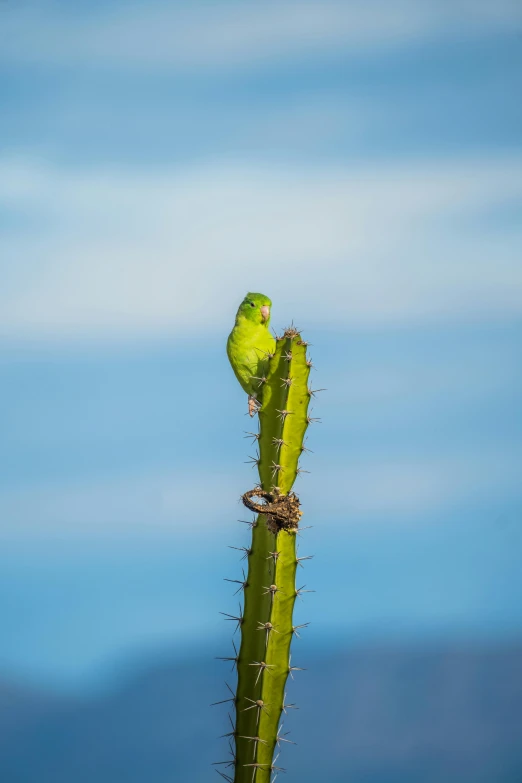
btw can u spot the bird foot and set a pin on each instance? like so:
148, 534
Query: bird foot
253, 406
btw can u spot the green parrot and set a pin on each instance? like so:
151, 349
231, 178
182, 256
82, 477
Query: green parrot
249, 345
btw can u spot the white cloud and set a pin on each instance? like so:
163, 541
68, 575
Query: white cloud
137, 251
232, 33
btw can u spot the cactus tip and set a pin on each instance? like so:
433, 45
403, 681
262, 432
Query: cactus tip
291, 331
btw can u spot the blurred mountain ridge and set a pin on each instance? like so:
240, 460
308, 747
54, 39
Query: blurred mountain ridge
380, 714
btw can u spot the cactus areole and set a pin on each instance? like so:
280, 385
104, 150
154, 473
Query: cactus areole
266, 625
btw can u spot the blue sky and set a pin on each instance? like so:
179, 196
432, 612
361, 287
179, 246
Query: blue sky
359, 162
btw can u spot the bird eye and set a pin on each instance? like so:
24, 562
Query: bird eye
252, 304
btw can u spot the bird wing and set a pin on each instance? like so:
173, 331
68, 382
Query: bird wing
247, 355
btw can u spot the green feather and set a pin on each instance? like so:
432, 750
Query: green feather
249, 344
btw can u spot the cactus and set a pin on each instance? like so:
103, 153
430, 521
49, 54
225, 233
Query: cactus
269, 588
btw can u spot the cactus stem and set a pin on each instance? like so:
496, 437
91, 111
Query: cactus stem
263, 661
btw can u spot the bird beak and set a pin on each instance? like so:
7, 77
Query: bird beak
265, 313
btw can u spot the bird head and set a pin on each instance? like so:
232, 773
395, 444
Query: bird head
255, 308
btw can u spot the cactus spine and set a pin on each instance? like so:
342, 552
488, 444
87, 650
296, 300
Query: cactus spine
263, 661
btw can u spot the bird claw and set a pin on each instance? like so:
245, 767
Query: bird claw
253, 406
